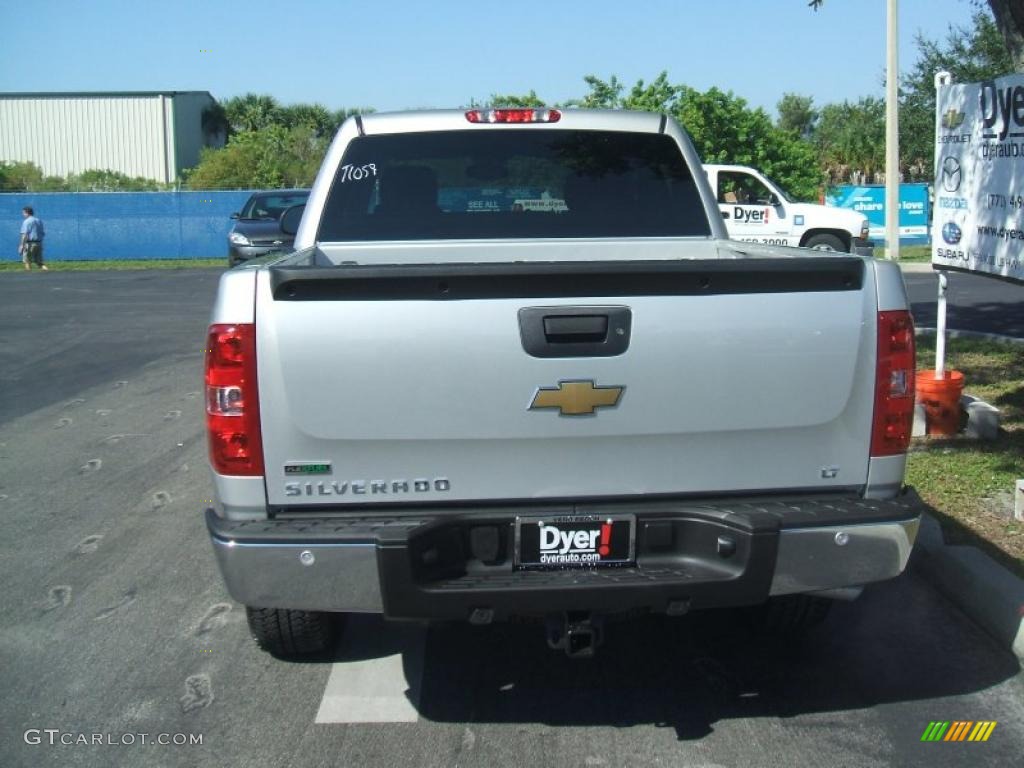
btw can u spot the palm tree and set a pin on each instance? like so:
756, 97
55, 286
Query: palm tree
313, 116
252, 112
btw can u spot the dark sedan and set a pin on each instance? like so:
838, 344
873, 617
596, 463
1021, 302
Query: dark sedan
257, 229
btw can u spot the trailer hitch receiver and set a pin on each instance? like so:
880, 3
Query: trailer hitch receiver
577, 633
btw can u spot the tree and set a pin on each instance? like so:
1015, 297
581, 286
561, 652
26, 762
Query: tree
530, 99
269, 145
797, 115
1009, 16
315, 117
252, 112
255, 112
850, 139
1009, 20
970, 55
27, 177
658, 96
723, 128
273, 157
105, 180
988, 49
602, 95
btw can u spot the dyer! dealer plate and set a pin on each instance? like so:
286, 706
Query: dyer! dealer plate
589, 541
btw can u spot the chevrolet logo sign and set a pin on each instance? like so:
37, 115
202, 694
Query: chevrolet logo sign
953, 119
576, 398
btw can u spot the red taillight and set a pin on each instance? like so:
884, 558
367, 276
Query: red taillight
232, 405
513, 115
894, 384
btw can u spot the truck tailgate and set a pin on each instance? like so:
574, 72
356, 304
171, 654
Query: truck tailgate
413, 383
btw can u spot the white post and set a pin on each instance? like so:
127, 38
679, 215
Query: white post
940, 330
941, 78
892, 137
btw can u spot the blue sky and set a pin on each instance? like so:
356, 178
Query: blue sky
390, 54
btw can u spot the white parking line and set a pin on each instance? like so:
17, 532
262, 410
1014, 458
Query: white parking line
379, 679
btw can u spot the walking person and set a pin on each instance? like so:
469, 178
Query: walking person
31, 244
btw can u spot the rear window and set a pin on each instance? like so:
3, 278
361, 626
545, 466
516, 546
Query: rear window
272, 205
512, 184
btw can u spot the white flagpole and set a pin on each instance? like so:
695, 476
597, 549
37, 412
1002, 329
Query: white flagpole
892, 137
941, 78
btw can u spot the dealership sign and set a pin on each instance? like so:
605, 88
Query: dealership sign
870, 201
978, 222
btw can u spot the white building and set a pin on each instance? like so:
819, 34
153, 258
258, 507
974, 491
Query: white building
153, 134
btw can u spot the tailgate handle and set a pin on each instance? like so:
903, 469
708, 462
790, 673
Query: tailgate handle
575, 331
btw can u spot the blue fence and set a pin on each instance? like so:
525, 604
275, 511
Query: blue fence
83, 226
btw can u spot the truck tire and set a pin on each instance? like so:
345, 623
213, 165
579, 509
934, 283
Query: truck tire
288, 633
792, 614
825, 243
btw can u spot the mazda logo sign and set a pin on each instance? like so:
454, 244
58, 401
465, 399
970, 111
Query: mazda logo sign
952, 174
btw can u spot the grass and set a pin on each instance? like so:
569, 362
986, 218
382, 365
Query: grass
970, 483
78, 266
915, 253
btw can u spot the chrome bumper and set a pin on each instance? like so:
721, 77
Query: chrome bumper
813, 559
313, 577
345, 577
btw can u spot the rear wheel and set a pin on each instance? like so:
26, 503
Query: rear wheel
288, 633
825, 243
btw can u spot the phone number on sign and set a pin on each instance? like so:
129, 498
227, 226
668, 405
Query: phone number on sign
1004, 201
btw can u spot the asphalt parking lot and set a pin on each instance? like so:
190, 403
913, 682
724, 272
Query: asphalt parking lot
117, 622
974, 303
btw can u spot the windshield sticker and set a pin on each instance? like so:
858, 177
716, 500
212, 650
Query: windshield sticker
500, 199
357, 172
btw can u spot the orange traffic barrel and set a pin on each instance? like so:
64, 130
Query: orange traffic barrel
941, 399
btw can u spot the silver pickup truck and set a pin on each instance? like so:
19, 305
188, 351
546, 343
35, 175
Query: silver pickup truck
516, 368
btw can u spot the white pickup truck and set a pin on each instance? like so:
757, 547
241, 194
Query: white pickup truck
757, 210
449, 403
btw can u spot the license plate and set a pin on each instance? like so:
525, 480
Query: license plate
590, 541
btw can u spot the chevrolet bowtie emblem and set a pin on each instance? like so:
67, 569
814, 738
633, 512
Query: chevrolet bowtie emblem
576, 398
953, 119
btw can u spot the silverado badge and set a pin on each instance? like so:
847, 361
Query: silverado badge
576, 398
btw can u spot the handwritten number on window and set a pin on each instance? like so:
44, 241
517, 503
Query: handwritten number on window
357, 172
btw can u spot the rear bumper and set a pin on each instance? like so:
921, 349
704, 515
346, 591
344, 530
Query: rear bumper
688, 556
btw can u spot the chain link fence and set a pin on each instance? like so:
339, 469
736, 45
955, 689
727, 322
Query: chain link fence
84, 226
